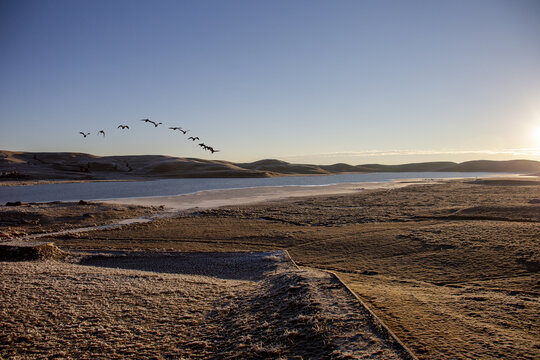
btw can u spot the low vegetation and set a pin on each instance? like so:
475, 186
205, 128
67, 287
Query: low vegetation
452, 268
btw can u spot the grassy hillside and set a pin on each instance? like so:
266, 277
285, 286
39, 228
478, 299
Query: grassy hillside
80, 166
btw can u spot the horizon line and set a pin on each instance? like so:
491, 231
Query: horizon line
515, 152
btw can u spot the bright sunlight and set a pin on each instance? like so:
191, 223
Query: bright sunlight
536, 135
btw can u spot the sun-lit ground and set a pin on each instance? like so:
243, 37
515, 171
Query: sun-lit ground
452, 268
182, 306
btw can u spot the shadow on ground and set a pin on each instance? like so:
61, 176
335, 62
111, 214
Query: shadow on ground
229, 266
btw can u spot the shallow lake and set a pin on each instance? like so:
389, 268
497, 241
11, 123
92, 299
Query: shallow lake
168, 187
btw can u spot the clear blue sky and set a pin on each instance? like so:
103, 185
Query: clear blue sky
303, 81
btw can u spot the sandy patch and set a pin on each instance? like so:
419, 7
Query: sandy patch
230, 197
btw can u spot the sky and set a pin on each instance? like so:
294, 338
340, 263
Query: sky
305, 81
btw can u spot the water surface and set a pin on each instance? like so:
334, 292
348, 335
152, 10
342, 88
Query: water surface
170, 187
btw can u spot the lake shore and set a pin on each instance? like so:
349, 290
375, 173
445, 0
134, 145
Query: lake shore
58, 181
228, 197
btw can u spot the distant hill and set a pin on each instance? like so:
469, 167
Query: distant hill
510, 166
282, 167
415, 167
80, 166
514, 166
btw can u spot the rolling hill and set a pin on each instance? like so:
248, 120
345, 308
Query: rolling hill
80, 166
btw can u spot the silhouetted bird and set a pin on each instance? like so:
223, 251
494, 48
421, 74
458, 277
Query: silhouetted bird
123, 127
179, 129
211, 149
193, 138
151, 122
101, 132
203, 146
83, 134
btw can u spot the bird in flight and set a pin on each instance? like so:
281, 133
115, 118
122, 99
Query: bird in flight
83, 134
101, 132
193, 138
209, 148
179, 129
123, 127
151, 122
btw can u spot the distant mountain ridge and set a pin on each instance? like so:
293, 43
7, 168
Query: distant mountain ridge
63, 165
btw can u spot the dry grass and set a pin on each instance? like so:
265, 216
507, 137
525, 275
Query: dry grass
35, 218
65, 310
452, 268
145, 306
493, 319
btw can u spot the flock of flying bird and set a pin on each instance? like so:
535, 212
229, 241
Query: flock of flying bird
156, 124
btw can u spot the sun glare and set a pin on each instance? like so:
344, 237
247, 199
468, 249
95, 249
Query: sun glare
536, 135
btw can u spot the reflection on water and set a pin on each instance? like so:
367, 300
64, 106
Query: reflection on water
168, 187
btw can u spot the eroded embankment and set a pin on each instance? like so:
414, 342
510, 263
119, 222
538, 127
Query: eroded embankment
227, 305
